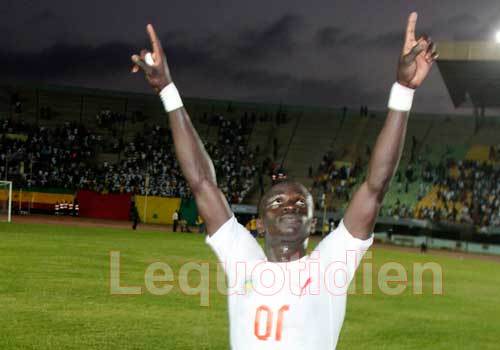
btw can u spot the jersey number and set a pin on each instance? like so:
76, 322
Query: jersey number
264, 313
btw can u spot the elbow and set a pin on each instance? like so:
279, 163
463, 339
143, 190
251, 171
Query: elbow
379, 179
202, 185
378, 187
199, 177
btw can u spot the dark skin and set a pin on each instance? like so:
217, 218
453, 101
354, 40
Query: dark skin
195, 163
286, 211
286, 216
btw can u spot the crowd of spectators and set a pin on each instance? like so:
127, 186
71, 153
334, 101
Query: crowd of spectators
466, 191
35, 156
108, 119
336, 178
66, 157
148, 167
234, 162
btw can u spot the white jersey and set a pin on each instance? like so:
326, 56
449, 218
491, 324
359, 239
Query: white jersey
286, 306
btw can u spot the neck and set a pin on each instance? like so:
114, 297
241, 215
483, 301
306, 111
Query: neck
284, 252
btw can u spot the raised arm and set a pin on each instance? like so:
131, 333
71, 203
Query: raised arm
195, 163
415, 62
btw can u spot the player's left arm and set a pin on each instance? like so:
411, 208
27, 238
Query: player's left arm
415, 62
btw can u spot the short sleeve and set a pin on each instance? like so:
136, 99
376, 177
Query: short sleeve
232, 242
341, 246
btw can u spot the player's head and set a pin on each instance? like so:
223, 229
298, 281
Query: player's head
286, 212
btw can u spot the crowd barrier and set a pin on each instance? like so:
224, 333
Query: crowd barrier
151, 209
104, 206
27, 200
156, 210
159, 210
438, 243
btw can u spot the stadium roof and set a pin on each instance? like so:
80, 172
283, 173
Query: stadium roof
471, 72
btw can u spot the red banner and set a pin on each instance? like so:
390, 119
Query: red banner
104, 206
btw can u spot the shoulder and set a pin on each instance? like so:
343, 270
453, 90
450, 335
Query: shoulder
341, 239
233, 241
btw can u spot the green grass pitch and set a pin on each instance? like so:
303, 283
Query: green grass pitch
55, 294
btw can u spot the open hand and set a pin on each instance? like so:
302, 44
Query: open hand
157, 73
417, 56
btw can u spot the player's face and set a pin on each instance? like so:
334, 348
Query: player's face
288, 212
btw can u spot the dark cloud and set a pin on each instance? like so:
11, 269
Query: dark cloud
210, 56
214, 57
273, 87
327, 37
353, 39
208, 60
43, 17
7, 39
322, 92
65, 60
186, 58
334, 37
40, 30
464, 20
387, 40
394, 39
469, 27
278, 38
465, 27
330, 37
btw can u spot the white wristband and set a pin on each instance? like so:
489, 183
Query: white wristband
170, 98
401, 98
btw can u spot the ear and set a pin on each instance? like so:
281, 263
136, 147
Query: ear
260, 226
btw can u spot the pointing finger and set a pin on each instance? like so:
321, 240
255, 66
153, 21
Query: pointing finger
410, 27
155, 42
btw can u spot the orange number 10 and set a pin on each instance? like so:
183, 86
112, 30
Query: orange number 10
265, 310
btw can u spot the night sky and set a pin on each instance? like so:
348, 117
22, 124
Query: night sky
329, 53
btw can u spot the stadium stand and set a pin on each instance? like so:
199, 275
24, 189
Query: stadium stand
441, 160
108, 148
109, 142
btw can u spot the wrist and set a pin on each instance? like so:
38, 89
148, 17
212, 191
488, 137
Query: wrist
405, 84
401, 97
160, 87
162, 84
170, 97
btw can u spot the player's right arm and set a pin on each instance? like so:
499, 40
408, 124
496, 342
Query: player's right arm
195, 163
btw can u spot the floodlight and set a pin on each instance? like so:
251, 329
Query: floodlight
497, 37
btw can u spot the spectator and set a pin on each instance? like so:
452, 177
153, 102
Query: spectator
201, 224
175, 220
252, 226
134, 215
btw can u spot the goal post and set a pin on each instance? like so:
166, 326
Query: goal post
5, 200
